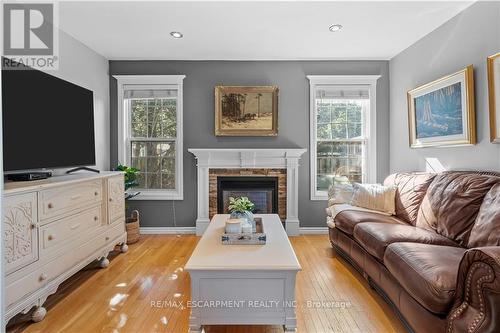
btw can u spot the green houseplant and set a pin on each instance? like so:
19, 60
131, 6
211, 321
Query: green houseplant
130, 175
132, 222
242, 208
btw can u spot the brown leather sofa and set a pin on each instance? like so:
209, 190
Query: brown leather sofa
437, 261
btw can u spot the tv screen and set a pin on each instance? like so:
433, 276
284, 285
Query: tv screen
47, 122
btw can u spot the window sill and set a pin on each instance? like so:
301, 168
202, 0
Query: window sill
319, 197
159, 195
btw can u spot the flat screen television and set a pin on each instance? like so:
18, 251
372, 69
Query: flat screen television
47, 122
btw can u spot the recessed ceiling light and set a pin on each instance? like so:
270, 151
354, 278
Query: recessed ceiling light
176, 34
335, 27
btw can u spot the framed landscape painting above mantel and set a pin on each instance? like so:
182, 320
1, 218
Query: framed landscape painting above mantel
441, 113
246, 110
494, 96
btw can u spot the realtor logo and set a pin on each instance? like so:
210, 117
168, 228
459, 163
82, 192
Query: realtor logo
30, 35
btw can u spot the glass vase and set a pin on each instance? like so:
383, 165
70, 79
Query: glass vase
246, 215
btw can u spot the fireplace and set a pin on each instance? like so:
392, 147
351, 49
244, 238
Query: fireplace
283, 163
266, 188
262, 191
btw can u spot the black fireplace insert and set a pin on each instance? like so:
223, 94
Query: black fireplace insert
262, 191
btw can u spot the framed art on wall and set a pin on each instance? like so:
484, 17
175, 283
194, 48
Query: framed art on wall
441, 113
494, 96
246, 110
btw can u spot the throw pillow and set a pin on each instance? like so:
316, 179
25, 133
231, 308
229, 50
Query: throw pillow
375, 197
340, 194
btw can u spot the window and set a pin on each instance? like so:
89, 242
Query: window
150, 133
342, 115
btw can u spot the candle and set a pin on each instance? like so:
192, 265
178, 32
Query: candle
233, 226
246, 228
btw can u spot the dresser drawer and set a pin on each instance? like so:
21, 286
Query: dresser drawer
113, 232
63, 230
25, 285
57, 201
18, 288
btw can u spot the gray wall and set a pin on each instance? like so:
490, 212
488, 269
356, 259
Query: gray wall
290, 76
468, 38
82, 66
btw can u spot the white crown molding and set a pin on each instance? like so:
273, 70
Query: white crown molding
246, 158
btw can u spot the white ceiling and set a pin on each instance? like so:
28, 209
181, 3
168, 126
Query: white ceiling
253, 30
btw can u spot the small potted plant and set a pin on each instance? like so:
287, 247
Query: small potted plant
132, 221
242, 208
130, 175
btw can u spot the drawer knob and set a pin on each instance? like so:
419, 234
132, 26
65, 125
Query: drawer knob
96, 193
34, 225
50, 237
110, 199
107, 238
96, 218
43, 277
50, 205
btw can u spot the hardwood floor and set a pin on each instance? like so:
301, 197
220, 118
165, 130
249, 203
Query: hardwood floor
122, 297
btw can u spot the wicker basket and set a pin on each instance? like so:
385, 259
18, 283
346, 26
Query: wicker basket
132, 226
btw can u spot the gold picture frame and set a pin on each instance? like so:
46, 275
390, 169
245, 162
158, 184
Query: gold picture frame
246, 110
493, 64
442, 112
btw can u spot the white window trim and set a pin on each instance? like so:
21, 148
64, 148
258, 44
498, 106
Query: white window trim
370, 81
123, 128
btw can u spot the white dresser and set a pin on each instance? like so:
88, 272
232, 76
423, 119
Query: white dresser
55, 227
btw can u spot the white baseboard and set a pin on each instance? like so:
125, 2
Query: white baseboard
314, 230
292, 227
201, 225
192, 230
167, 230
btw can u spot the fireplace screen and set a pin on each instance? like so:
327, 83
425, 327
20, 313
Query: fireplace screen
262, 191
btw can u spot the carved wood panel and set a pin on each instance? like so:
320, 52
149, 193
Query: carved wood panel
21, 231
116, 198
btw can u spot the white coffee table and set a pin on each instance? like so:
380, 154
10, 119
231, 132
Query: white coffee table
243, 284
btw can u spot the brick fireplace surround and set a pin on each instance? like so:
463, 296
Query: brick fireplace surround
246, 172
281, 163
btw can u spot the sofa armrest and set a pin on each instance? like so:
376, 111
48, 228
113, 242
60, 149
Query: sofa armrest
477, 303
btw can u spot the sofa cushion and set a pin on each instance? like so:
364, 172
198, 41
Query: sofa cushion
348, 219
375, 237
427, 272
486, 229
411, 189
452, 203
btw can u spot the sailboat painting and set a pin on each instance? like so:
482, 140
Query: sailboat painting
442, 112
439, 113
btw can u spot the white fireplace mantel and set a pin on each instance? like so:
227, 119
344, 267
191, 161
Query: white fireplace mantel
235, 158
